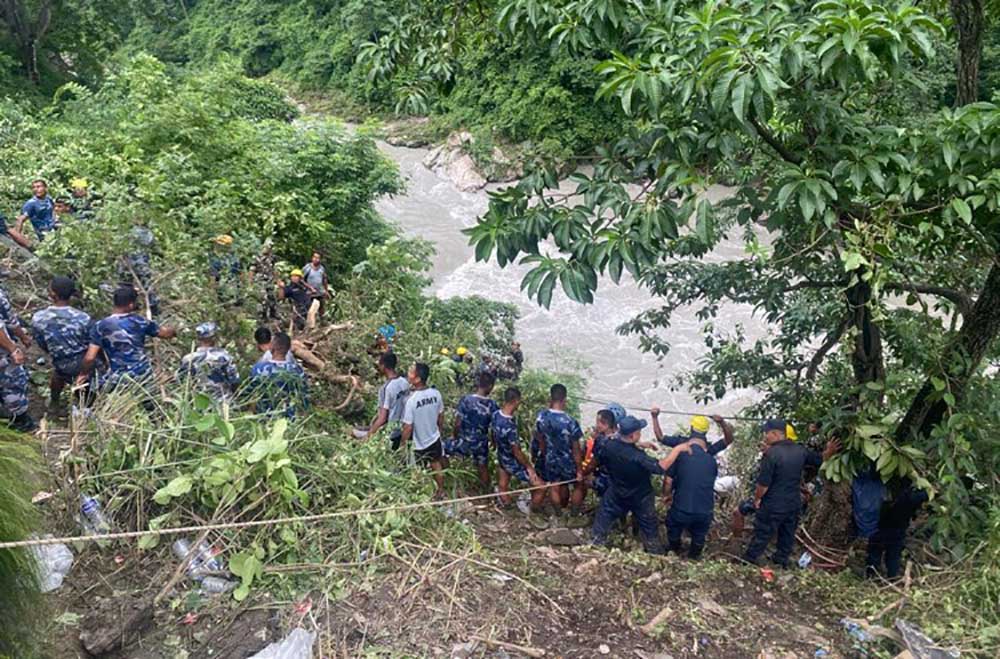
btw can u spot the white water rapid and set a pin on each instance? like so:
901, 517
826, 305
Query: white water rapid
569, 336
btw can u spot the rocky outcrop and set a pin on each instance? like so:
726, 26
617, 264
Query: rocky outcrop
454, 160
412, 133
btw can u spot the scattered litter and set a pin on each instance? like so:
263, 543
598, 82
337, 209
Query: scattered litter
604, 649
726, 484
304, 607
54, 562
360, 432
767, 574
922, 647
503, 578
297, 645
202, 566
362, 556
464, 650
190, 618
805, 559
41, 496
821, 652
92, 517
524, 505
858, 633
119, 559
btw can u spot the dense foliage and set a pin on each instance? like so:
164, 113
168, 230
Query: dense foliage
18, 520
852, 189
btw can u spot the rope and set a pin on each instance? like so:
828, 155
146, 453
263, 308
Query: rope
319, 517
671, 412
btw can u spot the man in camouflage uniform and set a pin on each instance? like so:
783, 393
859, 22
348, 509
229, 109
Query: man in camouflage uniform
277, 384
122, 338
226, 270
136, 266
210, 367
262, 273
83, 202
64, 333
13, 375
473, 418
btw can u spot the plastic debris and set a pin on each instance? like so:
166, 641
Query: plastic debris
202, 567
805, 560
41, 496
54, 563
821, 652
920, 645
604, 649
767, 574
857, 632
725, 484
92, 517
297, 645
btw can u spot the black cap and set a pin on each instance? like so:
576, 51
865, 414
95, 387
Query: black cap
629, 425
773, 424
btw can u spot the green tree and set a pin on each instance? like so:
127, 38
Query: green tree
813, 112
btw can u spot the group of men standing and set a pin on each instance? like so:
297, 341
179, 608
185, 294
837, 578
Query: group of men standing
562, 464
97, 357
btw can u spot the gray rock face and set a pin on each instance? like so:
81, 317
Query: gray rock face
452, 160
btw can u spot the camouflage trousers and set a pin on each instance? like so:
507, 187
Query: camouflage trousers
13, 387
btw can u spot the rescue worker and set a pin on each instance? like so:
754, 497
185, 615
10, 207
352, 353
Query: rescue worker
392, 397
13, 382
225, 268
300, 294
121, 337
629, 469
276, 384
887, 544
555, 447
64, 333
315, 275
698, 427
511, 459
40, 210
423, 421
135, 268
210, 367
596, 477
61, 211
13, 374
471, 435
262, 277
777, 496
691, 481
82, 202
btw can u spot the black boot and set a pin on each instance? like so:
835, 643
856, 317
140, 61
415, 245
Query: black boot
23, 423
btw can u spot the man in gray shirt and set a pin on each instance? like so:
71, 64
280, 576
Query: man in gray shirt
423, 419
391, 399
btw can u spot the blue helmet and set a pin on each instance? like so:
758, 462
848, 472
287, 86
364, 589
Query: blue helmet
617, 411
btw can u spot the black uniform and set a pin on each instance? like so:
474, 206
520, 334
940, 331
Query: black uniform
781, 472
628, 468
894, 518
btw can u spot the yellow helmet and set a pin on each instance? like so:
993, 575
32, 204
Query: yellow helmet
699, 424
445, 351
297, 272
78, 183
790, 433
461, 351
224, 239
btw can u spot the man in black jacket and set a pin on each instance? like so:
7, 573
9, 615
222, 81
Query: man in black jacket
888, 541
777, 497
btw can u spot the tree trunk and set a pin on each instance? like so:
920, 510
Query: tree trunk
968, 17
866, 359
960, 362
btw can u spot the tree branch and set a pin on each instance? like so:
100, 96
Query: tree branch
831, 340
774, 142
961, 301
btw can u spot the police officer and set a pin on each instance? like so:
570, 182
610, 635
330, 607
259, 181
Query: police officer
691, 480
121, 337
136, 267
555, 447
210, 367
278, 384
471, 437
777, 496
629, 469
64, 333
14, 383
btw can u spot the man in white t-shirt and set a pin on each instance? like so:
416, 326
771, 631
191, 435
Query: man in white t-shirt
391, 400
423, 419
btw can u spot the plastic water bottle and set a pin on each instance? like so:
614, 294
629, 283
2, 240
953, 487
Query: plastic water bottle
805, 559
92, 516
216, 585
202, 563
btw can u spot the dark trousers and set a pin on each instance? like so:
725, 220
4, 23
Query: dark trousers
643, 510
765, 526
696, 525
885, 544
